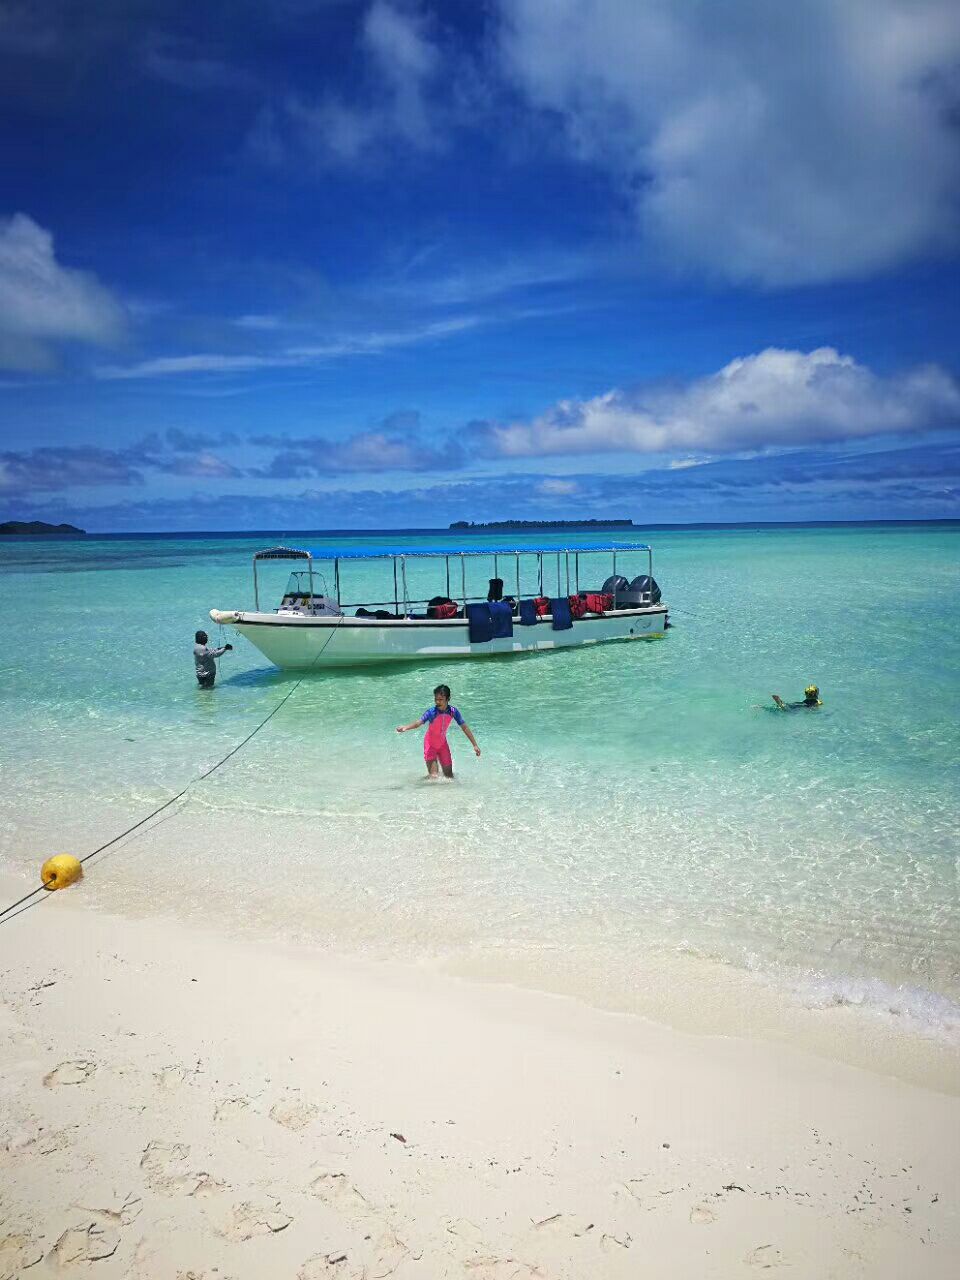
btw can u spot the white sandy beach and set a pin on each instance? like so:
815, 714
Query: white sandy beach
177, 1105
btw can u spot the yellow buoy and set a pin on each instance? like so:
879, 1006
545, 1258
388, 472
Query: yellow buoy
60, 870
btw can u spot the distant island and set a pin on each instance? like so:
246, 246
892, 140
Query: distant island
34, 527
542, 524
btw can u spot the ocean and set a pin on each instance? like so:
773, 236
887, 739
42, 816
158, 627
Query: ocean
639, 812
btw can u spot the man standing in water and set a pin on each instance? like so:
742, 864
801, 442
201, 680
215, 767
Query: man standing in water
205, 660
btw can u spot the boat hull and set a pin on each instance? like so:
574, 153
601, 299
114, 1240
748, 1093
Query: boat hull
299, 643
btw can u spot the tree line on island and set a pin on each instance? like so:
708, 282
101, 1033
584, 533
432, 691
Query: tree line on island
35, 527
471, 525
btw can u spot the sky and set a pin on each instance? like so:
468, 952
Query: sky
393, 263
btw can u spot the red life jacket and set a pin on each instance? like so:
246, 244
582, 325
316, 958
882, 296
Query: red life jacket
599, 601
578, 607
542, 606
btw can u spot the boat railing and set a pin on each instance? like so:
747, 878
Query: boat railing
645, 598
565, 560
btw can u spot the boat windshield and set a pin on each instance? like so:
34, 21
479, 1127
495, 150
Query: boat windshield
303, 583
298, 584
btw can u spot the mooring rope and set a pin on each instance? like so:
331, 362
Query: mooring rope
5, 915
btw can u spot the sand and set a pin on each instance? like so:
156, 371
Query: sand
177, 1105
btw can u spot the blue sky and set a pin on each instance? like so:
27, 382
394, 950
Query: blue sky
370, 263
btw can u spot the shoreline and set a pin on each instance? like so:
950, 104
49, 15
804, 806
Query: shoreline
908, 1033
178, 1101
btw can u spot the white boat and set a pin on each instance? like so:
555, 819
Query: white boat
312, 628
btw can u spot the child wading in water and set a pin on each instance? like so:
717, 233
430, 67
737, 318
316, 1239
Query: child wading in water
438, 719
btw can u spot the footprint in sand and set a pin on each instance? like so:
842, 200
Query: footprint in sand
19, 1141
91, 1243
244, 1221
464, 1230
120, 1214
336, 1190
329, 1266
159, 1161
293, 1113
610, 1243
230, 1108
17, 1253
491, 1268
36, 1142
562, 1224
702, 1214
69, 1073
765, 1256
385, 1255
171, 1078
205, 1187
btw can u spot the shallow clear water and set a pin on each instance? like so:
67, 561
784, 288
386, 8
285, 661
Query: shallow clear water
632, 800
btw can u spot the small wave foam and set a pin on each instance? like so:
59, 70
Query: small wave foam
915, 1009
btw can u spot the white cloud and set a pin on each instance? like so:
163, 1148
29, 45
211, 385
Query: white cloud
254, 321
558, 488
203, 465
390, 104
205, 362
476, 282
42, 302
406, 59
763, 142
366, 344
176, 62
373, 343
774, 398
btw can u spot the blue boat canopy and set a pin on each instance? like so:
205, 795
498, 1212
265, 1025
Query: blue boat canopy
390, 553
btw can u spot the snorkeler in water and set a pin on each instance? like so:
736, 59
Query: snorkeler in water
811, 698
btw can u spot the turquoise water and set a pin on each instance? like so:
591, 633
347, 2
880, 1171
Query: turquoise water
632, 801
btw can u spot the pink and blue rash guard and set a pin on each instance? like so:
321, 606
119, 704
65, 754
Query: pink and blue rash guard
435, 739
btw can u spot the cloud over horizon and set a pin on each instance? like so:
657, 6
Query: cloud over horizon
903, 483
775, 398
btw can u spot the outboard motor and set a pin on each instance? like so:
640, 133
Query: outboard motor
617, 586
642, 588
